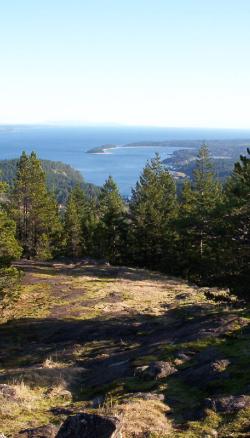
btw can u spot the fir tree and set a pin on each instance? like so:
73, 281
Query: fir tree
73, 228
35, 210
153, 207
237, 224
201, 201
111, 211
10, 250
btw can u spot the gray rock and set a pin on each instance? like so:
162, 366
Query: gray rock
48, 431
228, 404
90, 426
184, 356
206, 372
156, 370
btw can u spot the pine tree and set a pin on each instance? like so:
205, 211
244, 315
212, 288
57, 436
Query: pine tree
153, 208
111, 210
35, 210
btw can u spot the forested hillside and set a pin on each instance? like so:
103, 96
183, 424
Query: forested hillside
223, 156
60, 177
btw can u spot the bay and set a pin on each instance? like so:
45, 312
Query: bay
70, 143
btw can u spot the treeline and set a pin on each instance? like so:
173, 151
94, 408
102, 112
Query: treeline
203, 234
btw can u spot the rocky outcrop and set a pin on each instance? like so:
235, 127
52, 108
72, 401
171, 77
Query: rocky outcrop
90, 426
156, 370
228, 404
48, 431
209, 366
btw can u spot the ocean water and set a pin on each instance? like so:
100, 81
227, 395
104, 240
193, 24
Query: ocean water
69, 145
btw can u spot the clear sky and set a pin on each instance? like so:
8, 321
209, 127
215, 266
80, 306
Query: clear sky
138, 62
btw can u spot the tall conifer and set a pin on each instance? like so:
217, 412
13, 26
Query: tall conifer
153, 207
35, 210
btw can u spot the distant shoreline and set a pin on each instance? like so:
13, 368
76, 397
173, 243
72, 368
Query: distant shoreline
103, 149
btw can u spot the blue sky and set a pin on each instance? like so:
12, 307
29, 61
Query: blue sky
139, 62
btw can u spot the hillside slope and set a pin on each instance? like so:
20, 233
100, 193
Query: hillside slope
165, 356
60, 177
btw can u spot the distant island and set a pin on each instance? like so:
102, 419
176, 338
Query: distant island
185, 144
101, 149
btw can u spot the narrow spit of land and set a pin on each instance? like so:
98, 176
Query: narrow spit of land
127, 342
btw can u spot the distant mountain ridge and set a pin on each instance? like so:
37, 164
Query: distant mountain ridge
61, 177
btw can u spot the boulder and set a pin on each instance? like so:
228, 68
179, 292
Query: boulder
228, 404
48, 431
90, 426
156, 370
206, 372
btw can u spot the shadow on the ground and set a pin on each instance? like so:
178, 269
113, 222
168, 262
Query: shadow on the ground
85, 268
114, 342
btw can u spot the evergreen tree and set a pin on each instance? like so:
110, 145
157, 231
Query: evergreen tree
9, 251
153, 208
237, 223
73, 228
35, 210
111, 211
201, 202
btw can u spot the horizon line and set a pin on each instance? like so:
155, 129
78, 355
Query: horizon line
117, 125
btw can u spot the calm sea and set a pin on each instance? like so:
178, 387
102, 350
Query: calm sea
69, 144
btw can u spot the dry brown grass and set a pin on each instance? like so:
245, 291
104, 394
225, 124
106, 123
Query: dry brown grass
30, 407
141, 417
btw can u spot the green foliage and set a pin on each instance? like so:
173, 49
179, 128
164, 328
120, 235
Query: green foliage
34, 209
9, 247
238, 225
9, 251
72, 227
9, 286
153, 207
111, 211
201, 202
